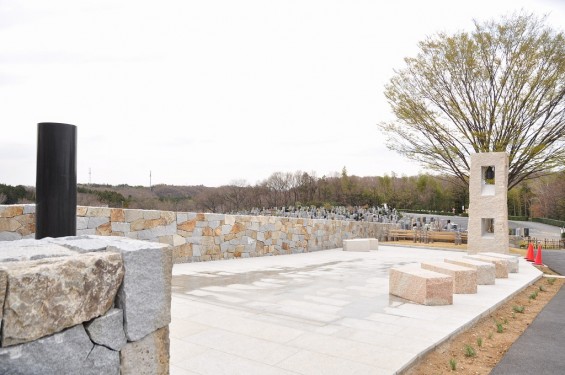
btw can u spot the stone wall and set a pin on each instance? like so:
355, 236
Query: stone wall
85, 305
202, 236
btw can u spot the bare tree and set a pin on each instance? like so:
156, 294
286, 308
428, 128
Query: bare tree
499, 88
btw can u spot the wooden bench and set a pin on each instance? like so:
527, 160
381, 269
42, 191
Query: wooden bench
421, 286
400, 234
424, 236
464, 278
485, 271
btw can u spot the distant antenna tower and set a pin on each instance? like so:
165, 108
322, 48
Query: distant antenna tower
150, 186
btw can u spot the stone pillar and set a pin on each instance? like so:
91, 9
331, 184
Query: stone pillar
488, 206
56, 182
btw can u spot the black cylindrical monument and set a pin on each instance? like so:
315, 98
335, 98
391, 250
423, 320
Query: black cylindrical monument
56, 181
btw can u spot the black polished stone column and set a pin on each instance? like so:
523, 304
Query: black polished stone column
56, 181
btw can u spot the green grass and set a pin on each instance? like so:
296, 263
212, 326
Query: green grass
551, 280
479, 342
490, 335
499, 327
534, 295
519, 309
453, 364
470, 351
542, 288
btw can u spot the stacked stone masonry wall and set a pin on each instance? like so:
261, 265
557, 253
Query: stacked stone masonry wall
85, 305
202, 236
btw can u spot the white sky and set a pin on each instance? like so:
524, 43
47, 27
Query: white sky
207, 92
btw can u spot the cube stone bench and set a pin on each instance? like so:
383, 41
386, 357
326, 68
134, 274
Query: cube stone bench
464, 278
361, 244
500, 265
421, 286
513, 263
485, 271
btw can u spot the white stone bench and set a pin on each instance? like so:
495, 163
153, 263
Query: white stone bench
513, 263
421, 286
361, 244
500, 265
485, 271
464, 278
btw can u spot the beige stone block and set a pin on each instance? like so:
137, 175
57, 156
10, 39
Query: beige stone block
151, 214
237, 228
9, 225
137, 225
207, 231
421, 286
11, 211
81, 210
357, 244
485, 271
166, 240
500, 265
98, 212
464, 278
27, 229
187, 226
168, 216
229, 220
133, 215
513, 262
148, 356
117, 215
178, 240
104, 229
49, 295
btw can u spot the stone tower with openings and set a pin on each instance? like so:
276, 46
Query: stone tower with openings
488, 206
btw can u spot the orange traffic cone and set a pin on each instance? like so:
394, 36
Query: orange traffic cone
538, 261
530, 253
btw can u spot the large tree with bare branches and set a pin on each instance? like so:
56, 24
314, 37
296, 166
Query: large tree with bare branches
500, 87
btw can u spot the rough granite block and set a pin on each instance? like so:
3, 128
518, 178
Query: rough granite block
421, 286
31, 250
485, 271
3, 285
46, 296
148, 356
108, 330
145, 294
67, 352
513, 263
500, 265
464, 278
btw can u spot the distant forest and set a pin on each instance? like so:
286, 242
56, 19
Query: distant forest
543, 196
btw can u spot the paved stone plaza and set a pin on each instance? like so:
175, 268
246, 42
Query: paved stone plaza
326, 312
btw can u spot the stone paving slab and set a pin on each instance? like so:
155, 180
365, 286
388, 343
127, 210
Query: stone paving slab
326, 312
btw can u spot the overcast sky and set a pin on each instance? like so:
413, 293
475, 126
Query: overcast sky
208, 92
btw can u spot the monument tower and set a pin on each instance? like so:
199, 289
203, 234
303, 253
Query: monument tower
488, 205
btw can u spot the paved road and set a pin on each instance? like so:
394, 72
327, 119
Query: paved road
540, 349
